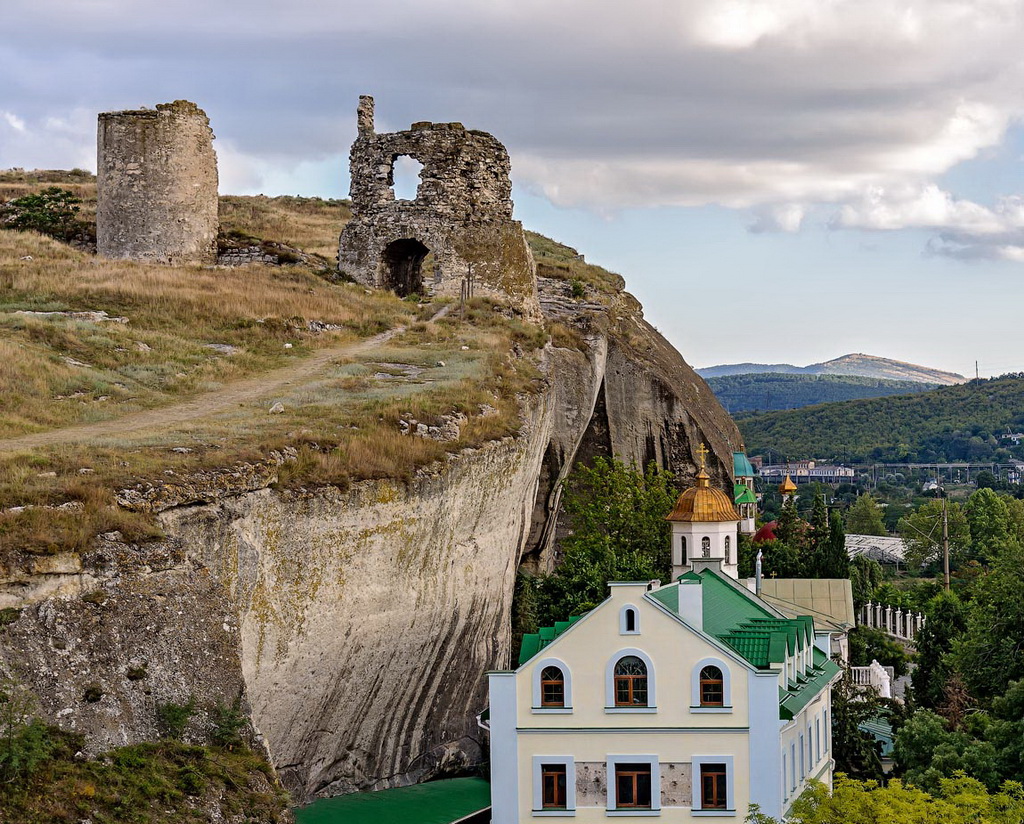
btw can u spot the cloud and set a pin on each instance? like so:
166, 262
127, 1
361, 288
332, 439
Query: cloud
966, 230
773, 106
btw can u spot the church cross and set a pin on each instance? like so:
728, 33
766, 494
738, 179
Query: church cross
703, 452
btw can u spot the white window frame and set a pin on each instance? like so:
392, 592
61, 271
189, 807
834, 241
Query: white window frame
610, 764
538, 668
827, 731
697, 786
622, 620
785, 777
570, 786
609, 683
803, 756
792, 758
695, 706
817, 739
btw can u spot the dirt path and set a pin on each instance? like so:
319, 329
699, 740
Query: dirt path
210, 403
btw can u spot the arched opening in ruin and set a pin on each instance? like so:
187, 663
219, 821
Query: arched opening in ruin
402, 262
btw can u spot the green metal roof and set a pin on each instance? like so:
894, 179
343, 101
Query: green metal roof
669, 596
741, 467
725, 607
802, 694
535, 642
436, 802
741, 494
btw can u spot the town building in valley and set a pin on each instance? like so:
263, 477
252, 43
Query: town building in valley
682, 702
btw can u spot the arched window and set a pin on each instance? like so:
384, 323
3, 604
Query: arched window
705, 547
712, 687
552, 687
630, 682
682, 546
630, 620
728, 546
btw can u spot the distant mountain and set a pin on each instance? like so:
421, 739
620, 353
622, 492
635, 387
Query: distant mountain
867, 366
968, 421
771, 391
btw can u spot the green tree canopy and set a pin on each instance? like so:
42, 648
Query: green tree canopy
990, 653
865, 517
619, 533
945, 623
922, 533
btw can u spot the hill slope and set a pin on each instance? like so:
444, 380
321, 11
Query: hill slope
867, 366
772, 391
951, 423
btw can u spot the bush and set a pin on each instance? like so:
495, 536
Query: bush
51, 212
226, 723
172, 718
25, 742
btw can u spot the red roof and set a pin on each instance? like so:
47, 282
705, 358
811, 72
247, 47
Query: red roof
765, 533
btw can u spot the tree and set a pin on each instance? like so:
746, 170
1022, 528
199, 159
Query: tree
1006, 731
865, 577
856, 753
945, 621
52, 212
834, 561
922, 533
990, 653
865, 517
989, 522
958, 799
619, 533
867, 645
926, 751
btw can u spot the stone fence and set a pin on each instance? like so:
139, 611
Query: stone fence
895, 621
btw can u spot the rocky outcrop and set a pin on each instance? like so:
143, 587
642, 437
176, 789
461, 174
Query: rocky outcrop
357, 625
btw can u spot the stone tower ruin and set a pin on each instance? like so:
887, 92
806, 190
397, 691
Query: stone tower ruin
457, 237
156, 183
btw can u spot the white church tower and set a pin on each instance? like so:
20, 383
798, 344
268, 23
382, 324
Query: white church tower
704, 526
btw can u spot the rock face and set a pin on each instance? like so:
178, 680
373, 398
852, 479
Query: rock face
357, 625
156, 185
457, 237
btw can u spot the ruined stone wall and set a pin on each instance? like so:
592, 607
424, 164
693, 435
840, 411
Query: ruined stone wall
462, 215
156, 185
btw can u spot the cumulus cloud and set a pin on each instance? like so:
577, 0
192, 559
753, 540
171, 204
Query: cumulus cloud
776, 106
965, 230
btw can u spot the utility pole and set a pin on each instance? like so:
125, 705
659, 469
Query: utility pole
945, 542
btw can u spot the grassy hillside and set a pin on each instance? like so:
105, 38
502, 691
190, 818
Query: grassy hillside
86, 341
765, 392
951, 423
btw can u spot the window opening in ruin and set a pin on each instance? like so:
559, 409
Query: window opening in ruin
402, 263
405, 177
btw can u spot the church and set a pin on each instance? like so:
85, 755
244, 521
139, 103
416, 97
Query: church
686, 701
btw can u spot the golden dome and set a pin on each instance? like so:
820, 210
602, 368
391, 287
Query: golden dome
787, 487
703, 503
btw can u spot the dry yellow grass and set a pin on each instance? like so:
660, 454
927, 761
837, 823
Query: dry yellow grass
56, 370
310, 224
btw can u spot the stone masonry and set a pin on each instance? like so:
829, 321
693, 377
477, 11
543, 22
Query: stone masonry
457, 237
157, 185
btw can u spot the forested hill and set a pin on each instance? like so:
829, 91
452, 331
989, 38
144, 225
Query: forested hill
771, 391
952, 423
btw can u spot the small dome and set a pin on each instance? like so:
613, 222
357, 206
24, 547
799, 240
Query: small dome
787, 487
703, 503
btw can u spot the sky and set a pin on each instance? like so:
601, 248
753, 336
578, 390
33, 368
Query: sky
777, 180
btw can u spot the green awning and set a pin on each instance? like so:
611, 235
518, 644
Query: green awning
436, 802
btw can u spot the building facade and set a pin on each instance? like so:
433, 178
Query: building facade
688, 701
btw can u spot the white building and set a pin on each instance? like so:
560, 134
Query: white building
680, 702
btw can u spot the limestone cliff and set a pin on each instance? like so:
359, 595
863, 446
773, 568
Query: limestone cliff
357, 624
